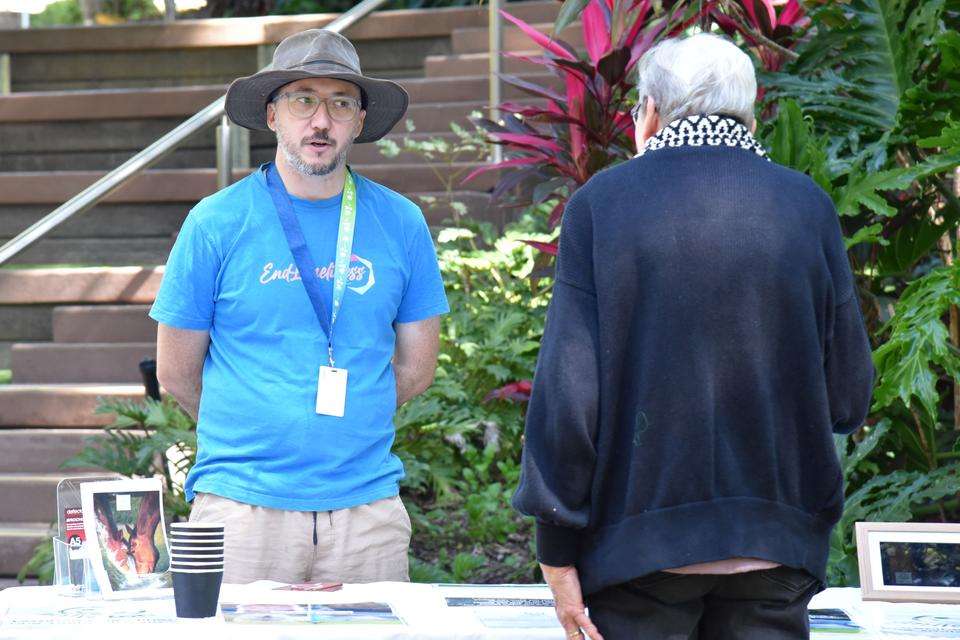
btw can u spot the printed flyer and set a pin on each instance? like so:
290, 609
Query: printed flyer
335, 613
123, 521
504, 606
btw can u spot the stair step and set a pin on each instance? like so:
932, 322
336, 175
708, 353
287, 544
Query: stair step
154, 223
244, 32
477, 39
181, 102
129, 220
73, 138
96, 251
17, 542
190, 185
32, 497
107, 104
25, 323
135, 285
60, 405
472, 64
42, 450
104, 323
464, 87
42, 363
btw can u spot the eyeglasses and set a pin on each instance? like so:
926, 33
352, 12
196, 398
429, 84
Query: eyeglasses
637, 110
303, 104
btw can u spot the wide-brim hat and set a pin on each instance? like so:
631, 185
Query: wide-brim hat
317, 53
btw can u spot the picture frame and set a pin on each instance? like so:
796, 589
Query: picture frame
909, 561
127, 545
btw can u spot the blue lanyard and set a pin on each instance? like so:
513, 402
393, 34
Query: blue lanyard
301, 252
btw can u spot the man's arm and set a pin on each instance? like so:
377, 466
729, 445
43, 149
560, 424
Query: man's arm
415, 357
180, 356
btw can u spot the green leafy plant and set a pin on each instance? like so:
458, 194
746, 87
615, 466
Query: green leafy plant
62, 12
147, 439
459, 442
450, 157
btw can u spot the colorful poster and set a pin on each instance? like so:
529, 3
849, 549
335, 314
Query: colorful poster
123, 521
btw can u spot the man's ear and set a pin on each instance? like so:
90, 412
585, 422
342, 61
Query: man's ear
651, 119
271, 116
359, 126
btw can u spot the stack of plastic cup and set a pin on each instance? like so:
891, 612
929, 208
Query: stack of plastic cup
196, 562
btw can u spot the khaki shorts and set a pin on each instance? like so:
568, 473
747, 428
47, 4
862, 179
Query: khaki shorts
367, 543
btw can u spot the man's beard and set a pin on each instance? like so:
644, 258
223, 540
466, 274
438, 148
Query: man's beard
291, 151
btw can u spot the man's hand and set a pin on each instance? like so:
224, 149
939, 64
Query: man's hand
568, 601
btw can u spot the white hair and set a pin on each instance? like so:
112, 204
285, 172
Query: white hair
702, 74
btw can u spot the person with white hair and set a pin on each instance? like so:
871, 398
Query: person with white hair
703, 344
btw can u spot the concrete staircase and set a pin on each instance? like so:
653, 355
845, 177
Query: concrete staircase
83, 101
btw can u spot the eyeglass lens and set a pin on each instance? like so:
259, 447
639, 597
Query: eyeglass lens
304, 105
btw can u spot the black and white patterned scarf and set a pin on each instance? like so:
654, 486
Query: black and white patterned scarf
704, 131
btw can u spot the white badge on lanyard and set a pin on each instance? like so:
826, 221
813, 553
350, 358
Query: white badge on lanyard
332, 392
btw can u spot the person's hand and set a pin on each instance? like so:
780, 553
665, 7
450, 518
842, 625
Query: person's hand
568, 601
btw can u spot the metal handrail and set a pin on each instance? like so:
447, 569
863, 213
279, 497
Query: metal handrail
109, 183
495, 47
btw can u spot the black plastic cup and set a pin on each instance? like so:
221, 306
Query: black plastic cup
195, 566
195, 551
199, 544
197, 525
207, 537
194, 533
196, 593
177, 560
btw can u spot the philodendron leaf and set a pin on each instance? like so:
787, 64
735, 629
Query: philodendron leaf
918, 344
868, 234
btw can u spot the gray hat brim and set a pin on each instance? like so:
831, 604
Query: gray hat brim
386, 101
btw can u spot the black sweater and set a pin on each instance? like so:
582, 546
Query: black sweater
703, 344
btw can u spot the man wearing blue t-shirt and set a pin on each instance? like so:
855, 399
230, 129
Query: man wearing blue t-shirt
300, 307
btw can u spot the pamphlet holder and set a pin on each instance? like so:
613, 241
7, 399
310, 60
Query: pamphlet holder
73, 573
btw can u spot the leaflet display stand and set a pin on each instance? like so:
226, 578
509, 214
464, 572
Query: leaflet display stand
72, 570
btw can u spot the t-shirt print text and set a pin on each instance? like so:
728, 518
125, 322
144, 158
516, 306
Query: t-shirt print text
360, 276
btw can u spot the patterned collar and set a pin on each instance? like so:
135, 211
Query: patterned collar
699, 131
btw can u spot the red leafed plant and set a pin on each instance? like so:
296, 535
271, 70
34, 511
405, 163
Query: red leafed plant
582, 123
769, 27
518, 391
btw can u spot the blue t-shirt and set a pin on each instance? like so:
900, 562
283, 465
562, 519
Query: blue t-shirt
231, 272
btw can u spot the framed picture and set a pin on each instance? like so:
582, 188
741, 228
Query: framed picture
123, 524
909, 561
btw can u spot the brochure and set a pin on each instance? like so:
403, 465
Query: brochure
334, 613
826, 622
504, 606
311, 586
127, 546
920, 621
99, 613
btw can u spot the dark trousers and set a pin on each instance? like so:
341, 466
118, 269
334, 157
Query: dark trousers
758, 605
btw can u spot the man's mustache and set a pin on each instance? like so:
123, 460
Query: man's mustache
321, 137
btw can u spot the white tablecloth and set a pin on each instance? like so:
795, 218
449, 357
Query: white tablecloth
44, 613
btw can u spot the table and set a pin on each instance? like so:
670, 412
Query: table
44, 613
